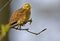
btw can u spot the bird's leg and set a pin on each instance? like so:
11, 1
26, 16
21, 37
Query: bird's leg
19, 24
30, 20
19, 27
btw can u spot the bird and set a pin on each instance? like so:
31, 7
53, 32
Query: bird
21, 16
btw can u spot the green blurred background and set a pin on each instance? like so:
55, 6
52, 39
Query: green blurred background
4, 15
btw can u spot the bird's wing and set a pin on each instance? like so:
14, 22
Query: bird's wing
15, 16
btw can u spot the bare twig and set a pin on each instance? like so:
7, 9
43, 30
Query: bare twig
13, 26
37, 33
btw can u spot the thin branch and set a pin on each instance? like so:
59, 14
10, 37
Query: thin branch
13, 26
32, 32
36, 33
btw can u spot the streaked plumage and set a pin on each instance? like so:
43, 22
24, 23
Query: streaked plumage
21, 15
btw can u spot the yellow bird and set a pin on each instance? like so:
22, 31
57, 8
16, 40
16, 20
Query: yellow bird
21, 16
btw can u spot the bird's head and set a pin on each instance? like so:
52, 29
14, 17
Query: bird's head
26, 6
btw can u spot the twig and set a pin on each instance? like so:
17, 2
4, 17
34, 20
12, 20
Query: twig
37, 33
13, 26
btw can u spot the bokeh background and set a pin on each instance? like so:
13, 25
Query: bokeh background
4, 17
45, 14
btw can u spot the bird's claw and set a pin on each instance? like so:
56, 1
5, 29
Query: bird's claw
30, 21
